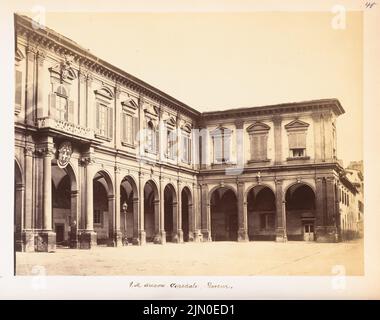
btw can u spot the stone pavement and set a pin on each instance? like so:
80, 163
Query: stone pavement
196, 259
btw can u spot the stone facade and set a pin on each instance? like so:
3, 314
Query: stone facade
102, 157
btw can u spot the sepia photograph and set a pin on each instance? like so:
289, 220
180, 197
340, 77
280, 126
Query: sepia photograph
188, 143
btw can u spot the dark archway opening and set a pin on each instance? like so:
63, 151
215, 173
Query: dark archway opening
300, 212
261, 210
224, 218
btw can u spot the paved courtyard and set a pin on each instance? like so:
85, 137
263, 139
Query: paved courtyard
215, 258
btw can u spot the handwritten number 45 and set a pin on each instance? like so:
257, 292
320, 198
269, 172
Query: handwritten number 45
370, 4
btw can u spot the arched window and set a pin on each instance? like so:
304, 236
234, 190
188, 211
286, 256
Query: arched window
61, 106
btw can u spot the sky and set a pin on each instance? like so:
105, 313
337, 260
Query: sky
215, 61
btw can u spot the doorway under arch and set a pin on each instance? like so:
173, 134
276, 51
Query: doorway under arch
300, 212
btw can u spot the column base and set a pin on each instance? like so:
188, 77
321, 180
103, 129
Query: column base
281, 235
45, 241
73, 240
27, 241
160, 238
140, 239
196, 236
242, 235
87, 239
177, 237
326, 234
206, 235
117, 240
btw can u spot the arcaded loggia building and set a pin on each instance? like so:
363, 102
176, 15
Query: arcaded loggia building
102, 157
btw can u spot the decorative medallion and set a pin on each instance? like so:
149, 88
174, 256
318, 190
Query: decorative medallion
64, 154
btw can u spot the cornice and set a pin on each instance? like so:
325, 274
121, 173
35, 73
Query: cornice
50, 40
321, 105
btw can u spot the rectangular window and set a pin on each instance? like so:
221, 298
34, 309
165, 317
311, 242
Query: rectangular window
98, 217
222, 150
258, 147
297, 144
186, 148
128, 129
104, 120
170, 144
61, 108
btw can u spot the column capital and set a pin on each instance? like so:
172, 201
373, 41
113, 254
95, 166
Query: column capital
239, 123
117, 169
46, 151
29, 150
87, 160
41, 55
278, 182
277, 119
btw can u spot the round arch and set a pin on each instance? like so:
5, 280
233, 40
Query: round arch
249, 189
107, 177
300, 211
225, 186
132, 182
298, 184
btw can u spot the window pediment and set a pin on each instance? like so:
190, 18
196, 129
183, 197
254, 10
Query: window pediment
297, 125
221, 131
104, 92
19, 56
186, 128
258, 127
129, 105
63, 71
171, 122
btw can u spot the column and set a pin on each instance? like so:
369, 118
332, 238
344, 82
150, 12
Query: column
332, 232
30, 92
320, 218
317, 137
46, 237
74, 201
27, 232
277, 121
88, 237
42, 106
116, 232
206, 215
139, 235
195, 213
177, 208
159, 215
281, 234
242, 213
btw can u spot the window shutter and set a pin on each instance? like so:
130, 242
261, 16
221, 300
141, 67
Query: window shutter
156, 140
52, 99
256, 147
123, 126
301, 140
263, 147
18, 88
218, 148
292, 140
70, 117
135, 130
97, 115
110, 122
